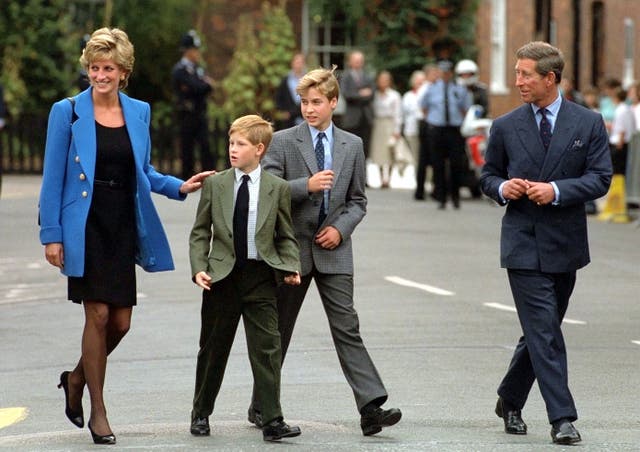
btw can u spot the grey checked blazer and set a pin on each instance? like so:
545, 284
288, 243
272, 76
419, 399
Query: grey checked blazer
291, 156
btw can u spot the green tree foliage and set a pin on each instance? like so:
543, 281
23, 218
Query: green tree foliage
154, 27
240, 86
36, 54
259, 63
277, 44
398, 35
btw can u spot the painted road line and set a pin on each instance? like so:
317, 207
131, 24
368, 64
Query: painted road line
10, 416
416, 285
504, 307
635, 342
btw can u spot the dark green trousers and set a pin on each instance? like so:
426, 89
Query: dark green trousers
250, 293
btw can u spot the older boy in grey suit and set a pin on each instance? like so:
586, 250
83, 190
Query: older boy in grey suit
325, 169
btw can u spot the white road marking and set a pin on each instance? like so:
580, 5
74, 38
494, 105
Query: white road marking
415, 285
504, 307
9, 416
635, 342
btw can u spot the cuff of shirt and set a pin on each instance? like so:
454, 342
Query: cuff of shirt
556, 201
504, 201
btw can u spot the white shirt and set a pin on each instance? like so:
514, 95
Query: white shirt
388, 104
623, 124
254, 193
411, 113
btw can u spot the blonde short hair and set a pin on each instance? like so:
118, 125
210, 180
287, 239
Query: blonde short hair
256, 129
321, 79
110, 44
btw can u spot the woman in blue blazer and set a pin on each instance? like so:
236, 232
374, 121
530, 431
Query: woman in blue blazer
96, 213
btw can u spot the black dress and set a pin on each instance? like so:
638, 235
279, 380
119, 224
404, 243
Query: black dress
110, 240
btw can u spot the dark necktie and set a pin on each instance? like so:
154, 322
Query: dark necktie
320, 158
240, 220
545, 129
446, 104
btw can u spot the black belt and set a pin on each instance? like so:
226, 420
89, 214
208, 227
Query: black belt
109, 183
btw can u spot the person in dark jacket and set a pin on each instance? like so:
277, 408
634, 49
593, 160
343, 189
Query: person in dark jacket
287, 100
191, 88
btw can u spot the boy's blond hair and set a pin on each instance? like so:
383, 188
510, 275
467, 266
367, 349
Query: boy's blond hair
256, 129
321, 79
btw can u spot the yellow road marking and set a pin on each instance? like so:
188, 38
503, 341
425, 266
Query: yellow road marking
10, 416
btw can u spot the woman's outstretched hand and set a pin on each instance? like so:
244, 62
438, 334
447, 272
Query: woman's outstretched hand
194, 183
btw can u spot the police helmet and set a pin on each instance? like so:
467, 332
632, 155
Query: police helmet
466, 67
190, 40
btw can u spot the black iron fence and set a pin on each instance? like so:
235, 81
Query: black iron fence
22, 146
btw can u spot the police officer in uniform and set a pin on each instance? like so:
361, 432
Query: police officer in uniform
191, 87
467, 75
444, 105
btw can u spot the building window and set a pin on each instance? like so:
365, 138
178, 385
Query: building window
326, 40
498, 83
543, 21
627, 68
597, 42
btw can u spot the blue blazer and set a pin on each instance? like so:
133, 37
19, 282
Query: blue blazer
549, 238
67, 183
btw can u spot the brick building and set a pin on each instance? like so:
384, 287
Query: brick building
597, 38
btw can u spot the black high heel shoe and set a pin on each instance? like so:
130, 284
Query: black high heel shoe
101, 439
76, 417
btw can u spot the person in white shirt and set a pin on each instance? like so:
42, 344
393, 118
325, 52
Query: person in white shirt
623, 127
412, 114
432, 73
387, 125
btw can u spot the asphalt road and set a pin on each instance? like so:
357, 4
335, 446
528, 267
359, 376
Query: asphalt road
436, 315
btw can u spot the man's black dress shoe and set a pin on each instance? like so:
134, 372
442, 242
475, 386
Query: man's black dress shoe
372, 421
200, 426
513, 423
563, 432
255, 417
102, 439
76, 417
278, 429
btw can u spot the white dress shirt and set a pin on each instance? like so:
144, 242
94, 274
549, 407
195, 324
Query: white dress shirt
254, 193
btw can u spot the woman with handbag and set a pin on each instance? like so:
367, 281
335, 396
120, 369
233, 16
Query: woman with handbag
97, 216
387, 125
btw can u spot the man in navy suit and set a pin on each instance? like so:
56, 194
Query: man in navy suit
544, 160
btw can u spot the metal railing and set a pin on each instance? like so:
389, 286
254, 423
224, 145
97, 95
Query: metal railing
22, 146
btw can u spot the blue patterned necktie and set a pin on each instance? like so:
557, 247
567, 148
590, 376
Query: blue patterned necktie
320, 151
320, 158
545, 128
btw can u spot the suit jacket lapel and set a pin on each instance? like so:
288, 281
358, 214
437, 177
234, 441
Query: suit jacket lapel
224, 192
303, 135
529, 136
562, 134
265, 201
84, 134
137, 129
339, 152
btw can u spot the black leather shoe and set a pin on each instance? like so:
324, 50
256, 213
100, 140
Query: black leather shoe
76, 417
276, 430
102, 439
255, 417
372, 422
563, 432
513, 423
200, 426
